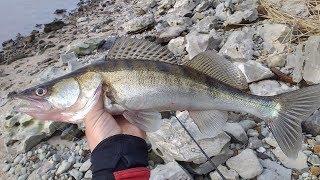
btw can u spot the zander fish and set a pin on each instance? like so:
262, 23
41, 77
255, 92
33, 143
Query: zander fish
140, 79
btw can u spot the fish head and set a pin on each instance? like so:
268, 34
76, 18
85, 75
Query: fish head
67, 98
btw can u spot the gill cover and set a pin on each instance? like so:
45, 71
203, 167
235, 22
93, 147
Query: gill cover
90, 90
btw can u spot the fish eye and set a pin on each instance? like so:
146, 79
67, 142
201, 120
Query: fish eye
41, 91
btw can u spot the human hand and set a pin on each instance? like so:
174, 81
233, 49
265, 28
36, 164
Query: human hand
99, 125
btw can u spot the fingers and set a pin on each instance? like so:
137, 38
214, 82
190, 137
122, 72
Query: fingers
128, 128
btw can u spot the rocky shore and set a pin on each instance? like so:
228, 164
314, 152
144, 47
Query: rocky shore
275, 54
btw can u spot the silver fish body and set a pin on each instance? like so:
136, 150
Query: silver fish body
139, 79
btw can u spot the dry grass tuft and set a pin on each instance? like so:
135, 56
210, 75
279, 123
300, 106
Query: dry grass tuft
302, 28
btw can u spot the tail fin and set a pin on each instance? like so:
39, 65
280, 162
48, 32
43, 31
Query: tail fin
295, 107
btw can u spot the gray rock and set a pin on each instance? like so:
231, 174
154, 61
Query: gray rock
85, 166
311, 72
77, 175
164, 6
177, 46
183, 7
6, 167
72, 132
63, 167
295, 8
84, 47
253, 133
171, 32
270, 88
282, 172
174, 143
145, 5
239, 44
169, 171
206, 24
204, 5
82, 19
254, 71
247, 124
254, 143
88, 174
139, 24
268, 174
222, 11
274, 36
300, 163
206, 167
314, 160
199, 42
312, 124
23, 177
236, 131
295, 62
70, 59
246, 12
246, 164
56, 158
72, 160
228, 174
18, 159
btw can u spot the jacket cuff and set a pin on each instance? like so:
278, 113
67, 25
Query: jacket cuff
117, 153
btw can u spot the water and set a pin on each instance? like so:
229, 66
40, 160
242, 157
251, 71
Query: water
21, 16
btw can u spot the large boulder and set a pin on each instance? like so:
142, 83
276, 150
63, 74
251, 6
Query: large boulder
246, 164
173, 143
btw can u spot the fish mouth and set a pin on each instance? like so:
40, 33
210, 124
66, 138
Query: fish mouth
31, 104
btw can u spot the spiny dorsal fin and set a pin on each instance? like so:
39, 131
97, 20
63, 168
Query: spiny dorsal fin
214, 65
141, 49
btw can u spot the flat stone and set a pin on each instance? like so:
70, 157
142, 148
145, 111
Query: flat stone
88, 174
6, 167
246, 164
311, 70
170, 171
247, 124
177, 46
64, 166
282, 172
253, 133
239, 44
175, 144
77, 175
85, 166
228, 174
84, 47
199, 42
254, 143
300, 163
139, 24
268, 174
314, 160
236, 131
171, 32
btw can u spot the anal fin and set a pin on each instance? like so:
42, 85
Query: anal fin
146, 121
209, 122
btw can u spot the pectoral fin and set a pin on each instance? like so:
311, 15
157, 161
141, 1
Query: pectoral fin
146, 121
210, 122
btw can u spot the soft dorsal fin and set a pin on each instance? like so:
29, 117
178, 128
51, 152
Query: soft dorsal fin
141, 49
214, 65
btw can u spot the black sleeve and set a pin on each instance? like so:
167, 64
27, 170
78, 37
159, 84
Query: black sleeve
117, 153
